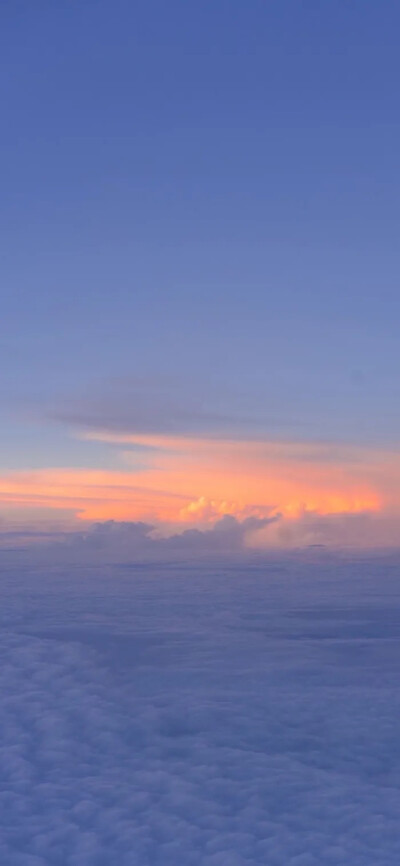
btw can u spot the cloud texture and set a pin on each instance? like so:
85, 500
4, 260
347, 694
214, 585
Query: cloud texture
164, 717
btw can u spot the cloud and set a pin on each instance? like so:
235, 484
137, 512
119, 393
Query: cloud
317, 493
227, 538
155, 405
207, 718
114, 542
177, 474
228, 535
363, 530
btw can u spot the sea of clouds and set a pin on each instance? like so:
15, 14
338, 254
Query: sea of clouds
215, 714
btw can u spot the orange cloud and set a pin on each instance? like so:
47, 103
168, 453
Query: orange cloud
185, 480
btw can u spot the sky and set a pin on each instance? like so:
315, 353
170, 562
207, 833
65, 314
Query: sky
199, 432
199, 269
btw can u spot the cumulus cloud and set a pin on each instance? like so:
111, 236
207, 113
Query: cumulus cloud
116, 541
207, 719
227, 537
338, 531
205, 511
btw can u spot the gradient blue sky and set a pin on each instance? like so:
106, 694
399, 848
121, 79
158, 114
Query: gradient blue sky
199, 213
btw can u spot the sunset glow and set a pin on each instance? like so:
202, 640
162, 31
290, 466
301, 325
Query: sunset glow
184, 481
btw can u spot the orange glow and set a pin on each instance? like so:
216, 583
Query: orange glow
185, 481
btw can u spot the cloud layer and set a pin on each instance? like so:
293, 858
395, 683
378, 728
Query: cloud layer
164, 717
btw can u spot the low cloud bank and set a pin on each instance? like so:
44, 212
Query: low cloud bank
120, 541
123, 541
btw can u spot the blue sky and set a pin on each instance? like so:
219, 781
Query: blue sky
199, 215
